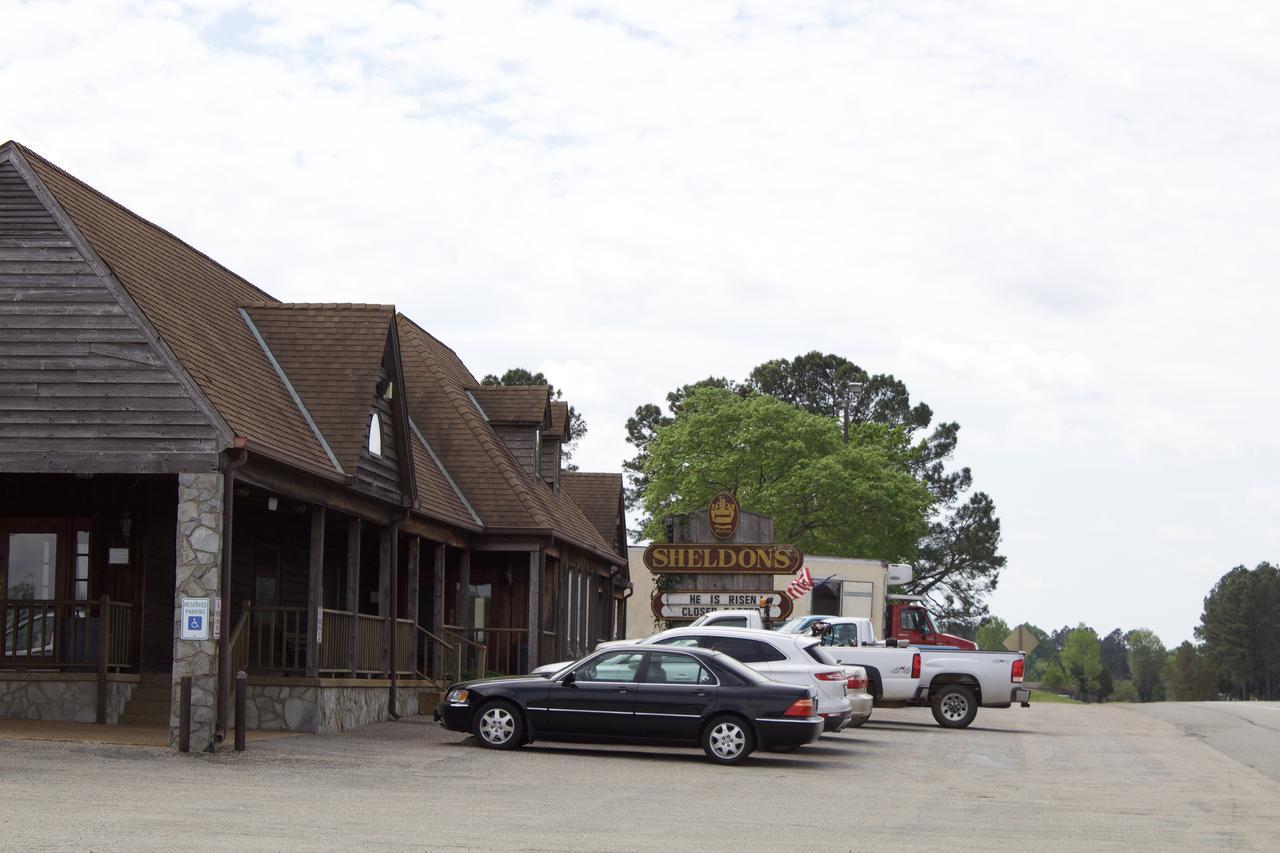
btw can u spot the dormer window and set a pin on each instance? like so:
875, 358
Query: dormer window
375, 434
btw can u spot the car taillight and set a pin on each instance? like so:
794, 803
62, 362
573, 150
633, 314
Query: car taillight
829, 676
1017, 670
856, 683
915, 666
800, 708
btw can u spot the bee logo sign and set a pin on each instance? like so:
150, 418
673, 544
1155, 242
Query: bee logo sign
722, 514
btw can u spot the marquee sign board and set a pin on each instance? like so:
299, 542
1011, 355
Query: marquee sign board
690, 605
682, 558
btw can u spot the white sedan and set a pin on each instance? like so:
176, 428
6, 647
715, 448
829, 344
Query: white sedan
789, 658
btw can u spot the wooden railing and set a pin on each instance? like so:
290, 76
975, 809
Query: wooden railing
335, 641
67, 634
370, 631
438, 659
404, 646
239, 641
278, 640
506, 649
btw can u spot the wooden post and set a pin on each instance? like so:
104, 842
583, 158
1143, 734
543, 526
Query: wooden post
393, 613
464, 598
104, 651
535, 609
184, 714
315, 591
242, 703
384, 594
437, 617
353, 588
562, 608
411, 592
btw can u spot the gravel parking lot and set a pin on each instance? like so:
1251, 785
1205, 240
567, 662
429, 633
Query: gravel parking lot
1051, 777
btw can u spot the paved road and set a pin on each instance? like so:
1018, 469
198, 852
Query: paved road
1249, 732
1049, 778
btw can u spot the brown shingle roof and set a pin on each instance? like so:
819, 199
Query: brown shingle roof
504, 495
513, 404
331, 354
600, 496
559, 420
438, 495
193, 304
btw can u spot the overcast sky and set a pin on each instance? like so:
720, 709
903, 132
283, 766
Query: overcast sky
1057, 222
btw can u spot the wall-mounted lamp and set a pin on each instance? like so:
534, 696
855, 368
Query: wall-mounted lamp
126, 524
272, 503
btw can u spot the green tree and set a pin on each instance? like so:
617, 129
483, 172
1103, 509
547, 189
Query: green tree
1106, 684
957, 560
825, 496
577, 423
1189, 676
1124, 691
1054, 677
1240, 627
1147, 657
1082, 660
1115, 654
992, 632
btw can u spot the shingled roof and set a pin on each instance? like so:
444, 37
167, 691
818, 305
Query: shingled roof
600, 497
499, 489
559, 420
514, 404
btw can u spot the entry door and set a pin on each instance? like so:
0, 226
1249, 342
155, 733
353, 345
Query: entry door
29, 560
599, 700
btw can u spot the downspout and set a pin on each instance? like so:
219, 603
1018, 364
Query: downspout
392, 698
224, 590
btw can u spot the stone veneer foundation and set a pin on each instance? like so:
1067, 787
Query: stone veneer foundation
197, 574
60, 696
326, 706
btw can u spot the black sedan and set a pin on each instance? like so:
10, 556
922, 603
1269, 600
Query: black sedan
639, 694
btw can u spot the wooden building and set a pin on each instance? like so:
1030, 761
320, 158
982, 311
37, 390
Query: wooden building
363, 519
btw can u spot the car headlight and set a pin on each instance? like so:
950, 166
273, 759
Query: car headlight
457, 696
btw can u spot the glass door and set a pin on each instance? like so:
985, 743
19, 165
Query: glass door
29, 553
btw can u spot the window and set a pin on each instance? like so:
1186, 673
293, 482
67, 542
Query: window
375, 434
910, 620
740, 648
670, 668
768, 653
82, 565
821, 655
729, 622
619, 666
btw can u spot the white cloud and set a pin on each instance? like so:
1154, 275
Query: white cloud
1054, 221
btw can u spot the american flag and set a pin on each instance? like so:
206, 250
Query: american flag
802, 583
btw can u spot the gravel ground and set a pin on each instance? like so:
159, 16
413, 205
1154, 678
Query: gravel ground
1050, 777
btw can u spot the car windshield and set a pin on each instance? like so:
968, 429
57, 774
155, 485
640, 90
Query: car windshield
794, 626
746, 673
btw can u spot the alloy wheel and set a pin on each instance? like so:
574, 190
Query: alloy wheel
497, 725
954, 707
728, 740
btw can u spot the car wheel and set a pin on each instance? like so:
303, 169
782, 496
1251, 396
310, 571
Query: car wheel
954, 706
727, 740
498, 725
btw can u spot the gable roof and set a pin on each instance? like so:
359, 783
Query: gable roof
559, 420
331, 354
514, 404
600, 496
500, 490
193, 304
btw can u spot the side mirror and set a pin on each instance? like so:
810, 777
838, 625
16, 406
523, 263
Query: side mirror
568, 680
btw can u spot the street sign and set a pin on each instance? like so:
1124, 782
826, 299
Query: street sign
1021, 639
195, 619
690, 605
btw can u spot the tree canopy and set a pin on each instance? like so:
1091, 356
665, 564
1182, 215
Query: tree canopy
1082, 659
1240, 627
992, 632
1147, 656
956, 554
826, 496
577, 423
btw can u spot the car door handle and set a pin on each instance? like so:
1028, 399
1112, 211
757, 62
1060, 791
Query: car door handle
624, 689
700, 693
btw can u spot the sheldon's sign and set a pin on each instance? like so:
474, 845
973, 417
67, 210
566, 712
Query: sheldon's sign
672, 558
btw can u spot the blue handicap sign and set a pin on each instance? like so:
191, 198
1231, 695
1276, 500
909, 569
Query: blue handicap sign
194, 623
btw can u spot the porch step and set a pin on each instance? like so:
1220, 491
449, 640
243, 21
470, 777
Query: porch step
149, 704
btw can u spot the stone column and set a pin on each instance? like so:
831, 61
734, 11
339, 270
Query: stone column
197, 575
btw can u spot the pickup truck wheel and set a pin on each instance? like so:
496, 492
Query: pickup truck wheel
954, 706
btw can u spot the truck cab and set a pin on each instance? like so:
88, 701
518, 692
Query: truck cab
908, 619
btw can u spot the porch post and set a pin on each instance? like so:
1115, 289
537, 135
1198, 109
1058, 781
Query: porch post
535, 607
562, 607
315, 594
464, 583
203, 543
437, 612
353, 588
411, 592
384, 594
393, 614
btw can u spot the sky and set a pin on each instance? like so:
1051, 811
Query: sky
1056, 222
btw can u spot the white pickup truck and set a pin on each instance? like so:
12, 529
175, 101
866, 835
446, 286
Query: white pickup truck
953, 683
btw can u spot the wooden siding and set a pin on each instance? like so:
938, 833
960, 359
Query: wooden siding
519, 439
550, 460
380, 475
81, 388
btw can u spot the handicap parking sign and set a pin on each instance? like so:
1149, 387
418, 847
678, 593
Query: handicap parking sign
195, 619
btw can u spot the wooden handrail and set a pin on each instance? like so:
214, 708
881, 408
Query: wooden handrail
239, 643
